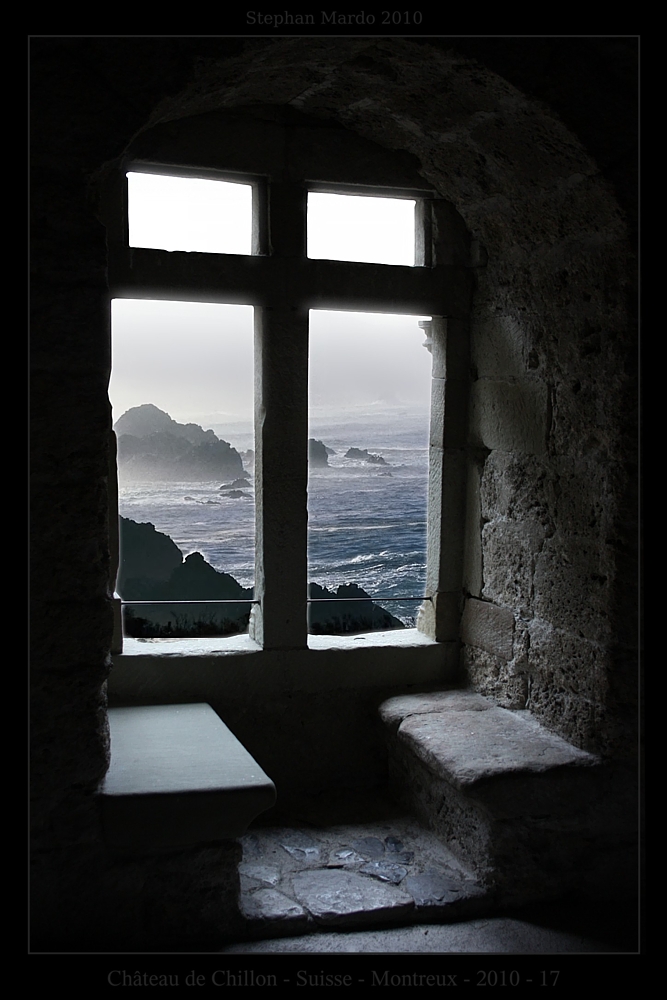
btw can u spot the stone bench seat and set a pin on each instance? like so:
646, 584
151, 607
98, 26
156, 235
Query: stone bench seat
178, 778
519, 804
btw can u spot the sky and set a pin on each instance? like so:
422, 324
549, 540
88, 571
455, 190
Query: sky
195, 359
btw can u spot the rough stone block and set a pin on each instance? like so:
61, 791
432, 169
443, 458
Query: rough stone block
569, 685
498, 348
509, 551
505, 682
518, 488
518, 803
573, 577
511, 416
489, 627
178, 777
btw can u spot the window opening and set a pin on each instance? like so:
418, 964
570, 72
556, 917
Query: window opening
167, 212
182, 396
282, 278
369, 389
369, 230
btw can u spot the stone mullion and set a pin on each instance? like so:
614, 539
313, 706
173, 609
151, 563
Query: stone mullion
281, 436
439, 617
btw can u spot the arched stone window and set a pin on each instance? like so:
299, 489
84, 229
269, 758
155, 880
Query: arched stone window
284, 155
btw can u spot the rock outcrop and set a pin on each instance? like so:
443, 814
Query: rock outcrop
363, 455
152, 568
318, 454
345, 611
152, 446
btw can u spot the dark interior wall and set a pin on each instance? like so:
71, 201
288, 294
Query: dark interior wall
542, 202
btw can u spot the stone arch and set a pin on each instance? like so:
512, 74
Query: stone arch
548, 331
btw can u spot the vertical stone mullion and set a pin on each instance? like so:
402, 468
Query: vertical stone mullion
281, 471
439, 617
281, 436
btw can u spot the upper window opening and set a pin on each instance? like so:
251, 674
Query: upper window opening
368, 230
189, 214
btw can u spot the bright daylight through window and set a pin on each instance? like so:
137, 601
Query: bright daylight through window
182, 397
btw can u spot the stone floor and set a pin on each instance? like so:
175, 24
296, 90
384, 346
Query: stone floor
299, 879
389, 885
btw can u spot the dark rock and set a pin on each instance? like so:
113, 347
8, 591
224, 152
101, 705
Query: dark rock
152, 569
145, 554
242, 482
339, 616
153, 446
364, 456
317, 454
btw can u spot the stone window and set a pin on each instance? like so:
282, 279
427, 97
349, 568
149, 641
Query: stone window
284, 156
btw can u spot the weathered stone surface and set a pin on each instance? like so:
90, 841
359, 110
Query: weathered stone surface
432, 888
572, 576
505, 682
394, 710
518, 488
472, 553
439, 616
509, 553
468, 747
335, 897
267, 906
300, 846
569, 683
345, 859
266, 875
488, 627
500, 347
511, 416
371, 847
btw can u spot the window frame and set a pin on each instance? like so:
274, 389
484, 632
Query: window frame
283, 284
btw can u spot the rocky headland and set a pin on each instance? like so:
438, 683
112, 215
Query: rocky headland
153, 446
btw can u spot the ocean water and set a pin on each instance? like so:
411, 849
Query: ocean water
366, 523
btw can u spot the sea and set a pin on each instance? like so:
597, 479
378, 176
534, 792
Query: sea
366, 522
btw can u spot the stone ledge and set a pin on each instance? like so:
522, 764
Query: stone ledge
466, 739
524, 808
177, 778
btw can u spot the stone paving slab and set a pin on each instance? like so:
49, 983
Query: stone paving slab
272, 912
350, 876
347, 898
